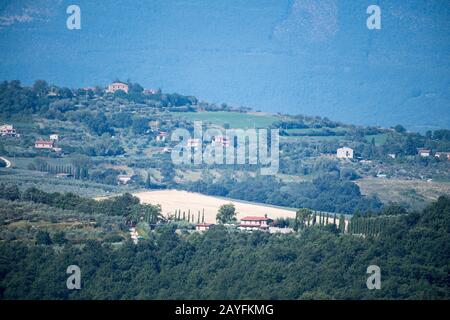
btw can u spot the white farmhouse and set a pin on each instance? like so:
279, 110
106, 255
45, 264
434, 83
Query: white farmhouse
123, 178
8, 130
424, 153
255, 223
344, 153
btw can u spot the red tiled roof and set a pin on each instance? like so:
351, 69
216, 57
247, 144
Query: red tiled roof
43, 142
204, 225
255, 219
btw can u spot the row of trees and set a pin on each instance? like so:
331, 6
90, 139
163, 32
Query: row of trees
190, 218
75, 172
305, 218
125, 205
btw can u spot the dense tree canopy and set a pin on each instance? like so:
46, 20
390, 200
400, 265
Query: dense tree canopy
412, 253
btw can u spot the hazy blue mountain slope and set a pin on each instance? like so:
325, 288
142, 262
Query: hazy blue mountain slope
301, 56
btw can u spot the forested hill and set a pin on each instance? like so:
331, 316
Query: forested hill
104, 135
413, 253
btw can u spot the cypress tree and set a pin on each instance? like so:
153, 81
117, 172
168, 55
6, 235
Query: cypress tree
148, 182
342, 223
296, 226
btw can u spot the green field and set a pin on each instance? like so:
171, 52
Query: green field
236, 120
316, 132
316, 139
380, 139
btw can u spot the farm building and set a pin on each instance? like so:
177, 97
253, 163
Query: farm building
54, 137
424, 153
344, 153
7, 130
442, 155
43, 144
162, 136
123, 178
255, 223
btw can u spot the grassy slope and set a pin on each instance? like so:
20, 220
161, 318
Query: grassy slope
235, 119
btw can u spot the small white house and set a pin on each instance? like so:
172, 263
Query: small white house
344, 153
8, 130
42, 144
425, 153
203, 226
442, 155
162, 136
123, 178
54, 137
392, 155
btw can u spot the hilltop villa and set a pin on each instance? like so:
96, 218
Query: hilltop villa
115, 86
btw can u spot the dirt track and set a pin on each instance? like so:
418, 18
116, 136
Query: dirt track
8, 163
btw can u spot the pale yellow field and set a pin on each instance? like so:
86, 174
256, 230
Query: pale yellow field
171, 200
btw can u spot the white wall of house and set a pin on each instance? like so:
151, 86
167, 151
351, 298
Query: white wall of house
344, 153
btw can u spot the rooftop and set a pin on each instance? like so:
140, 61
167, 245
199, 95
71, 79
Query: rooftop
255, 219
